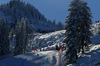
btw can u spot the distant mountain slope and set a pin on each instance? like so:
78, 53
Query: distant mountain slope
16, 9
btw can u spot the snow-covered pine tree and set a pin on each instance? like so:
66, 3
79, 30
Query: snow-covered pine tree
18, 38
30, 38
11, 39
84, 24
21, 36
24, 31
4, 37
31, 29
11, 34
77, 29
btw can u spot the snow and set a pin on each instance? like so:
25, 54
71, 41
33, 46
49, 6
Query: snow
90, 58
96, 47
95, 28
39, 58
49, 39
51, 57
52, 34
31, 59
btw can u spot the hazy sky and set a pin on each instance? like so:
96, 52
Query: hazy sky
57, 9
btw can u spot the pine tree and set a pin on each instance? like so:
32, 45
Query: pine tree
11, 34
31, 29
4, 37
24, 31
83, 27
21, 36
30, 38
60, 25
77, 29
18, 39
54, 22
11, 40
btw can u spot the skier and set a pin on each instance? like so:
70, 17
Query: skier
57, 48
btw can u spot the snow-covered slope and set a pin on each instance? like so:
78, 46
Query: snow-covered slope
90, 58
45, 58
49, 39
37, 58
51, 57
